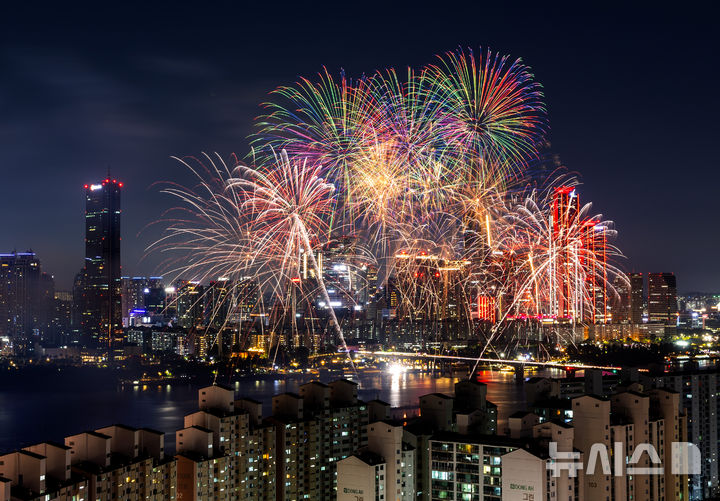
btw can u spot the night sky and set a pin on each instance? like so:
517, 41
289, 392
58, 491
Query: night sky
631, 94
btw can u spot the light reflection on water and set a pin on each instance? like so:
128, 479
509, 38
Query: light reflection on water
56, 410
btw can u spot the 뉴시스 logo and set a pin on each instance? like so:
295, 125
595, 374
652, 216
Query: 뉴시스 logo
684, 458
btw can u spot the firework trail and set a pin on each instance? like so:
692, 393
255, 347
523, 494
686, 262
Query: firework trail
402, 150
245, 221
541, 255
432, 168
491, 108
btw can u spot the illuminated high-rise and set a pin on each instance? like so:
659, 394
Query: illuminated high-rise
565, 208
189, 304
621, 300
579, 247
247, 296
25, 298
662, 298
101, 298
636, 298
595, 269
132, 296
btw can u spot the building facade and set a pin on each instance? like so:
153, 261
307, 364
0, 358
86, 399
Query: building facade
662, 298
101, 308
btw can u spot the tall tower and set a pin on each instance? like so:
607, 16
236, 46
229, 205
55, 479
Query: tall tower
102, 285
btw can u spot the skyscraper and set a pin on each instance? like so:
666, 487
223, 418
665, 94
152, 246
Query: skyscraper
636, 298
662, 298
132, 296
595, 241
25, 298
189, 304
621, 301
102, 307
565, 208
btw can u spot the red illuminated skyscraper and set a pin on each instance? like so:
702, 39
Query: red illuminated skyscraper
594, 262
486, 308
565, 211
580, 262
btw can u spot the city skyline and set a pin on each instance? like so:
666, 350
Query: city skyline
358, 252
629, 181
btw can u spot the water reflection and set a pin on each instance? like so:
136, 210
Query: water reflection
59, 409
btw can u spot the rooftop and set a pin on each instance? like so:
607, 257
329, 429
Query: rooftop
369, 458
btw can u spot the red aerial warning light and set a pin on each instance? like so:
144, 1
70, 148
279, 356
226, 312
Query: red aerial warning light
86, 186
120, 184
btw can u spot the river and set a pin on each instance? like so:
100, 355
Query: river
57, 408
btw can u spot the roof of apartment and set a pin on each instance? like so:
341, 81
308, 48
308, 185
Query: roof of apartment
218, 413
557, 422
219, 385
315, 383
289, 394
594, 397
57, 444
632, 392
439, 395
201, 428
123, 426
150, 430
91, 432
369, 458
344, 381
31, 454
395, 423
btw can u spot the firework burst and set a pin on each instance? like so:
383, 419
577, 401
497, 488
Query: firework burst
244, 222
431, 170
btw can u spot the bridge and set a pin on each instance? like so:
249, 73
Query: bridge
519, 365
482, 360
